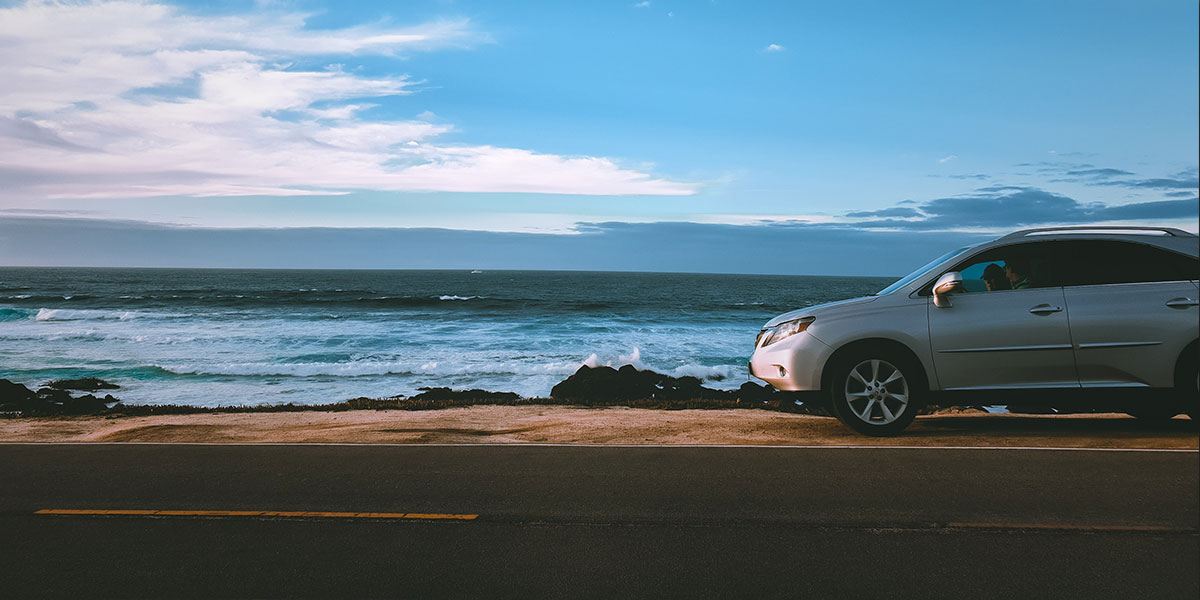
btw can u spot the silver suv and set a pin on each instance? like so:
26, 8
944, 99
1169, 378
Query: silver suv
1070, 308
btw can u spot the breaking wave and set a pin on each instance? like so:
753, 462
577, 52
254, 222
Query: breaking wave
63, 314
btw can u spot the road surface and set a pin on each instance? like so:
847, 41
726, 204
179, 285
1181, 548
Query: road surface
150, 520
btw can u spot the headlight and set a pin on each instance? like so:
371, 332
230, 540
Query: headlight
782, 331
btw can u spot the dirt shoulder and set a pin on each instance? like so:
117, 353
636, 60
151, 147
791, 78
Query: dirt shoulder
616, 425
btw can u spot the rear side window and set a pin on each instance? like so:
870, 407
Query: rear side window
1098, 262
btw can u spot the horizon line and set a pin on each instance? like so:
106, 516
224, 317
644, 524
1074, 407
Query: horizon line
468, 271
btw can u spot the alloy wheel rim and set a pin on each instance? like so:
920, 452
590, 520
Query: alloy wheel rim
876, 392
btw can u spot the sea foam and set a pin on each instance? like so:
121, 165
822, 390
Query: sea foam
63, 314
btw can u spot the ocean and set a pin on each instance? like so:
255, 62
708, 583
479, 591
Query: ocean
211, 337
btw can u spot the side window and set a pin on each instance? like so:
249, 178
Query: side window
1096, 262
1018, 266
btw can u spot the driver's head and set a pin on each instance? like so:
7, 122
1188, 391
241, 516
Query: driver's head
1016, 269
993, 275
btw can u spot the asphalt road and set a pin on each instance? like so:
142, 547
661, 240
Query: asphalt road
599, 522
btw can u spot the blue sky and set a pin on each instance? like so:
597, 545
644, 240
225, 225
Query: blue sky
546, 118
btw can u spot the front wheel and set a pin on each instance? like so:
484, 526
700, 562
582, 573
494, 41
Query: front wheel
876, 392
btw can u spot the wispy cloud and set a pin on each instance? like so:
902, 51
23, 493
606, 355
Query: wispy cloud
45, 212
1156, 183
643, 4
773, 48
108, 98
1089, 174
946, 159
897, 211
1098, 173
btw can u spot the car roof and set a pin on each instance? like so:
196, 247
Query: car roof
1164, 237
1102, 230
1167, 238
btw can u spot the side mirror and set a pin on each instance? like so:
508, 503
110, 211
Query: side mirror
946, 284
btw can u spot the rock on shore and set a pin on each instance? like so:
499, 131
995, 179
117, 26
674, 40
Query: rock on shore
16, 398
606, 385
87, 384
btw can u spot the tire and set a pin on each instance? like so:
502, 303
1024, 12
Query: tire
876, 391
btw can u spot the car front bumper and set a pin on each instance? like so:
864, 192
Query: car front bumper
793, 365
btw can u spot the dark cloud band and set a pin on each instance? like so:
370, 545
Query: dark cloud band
1006, 207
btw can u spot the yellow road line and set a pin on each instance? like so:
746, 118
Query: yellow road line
253, 513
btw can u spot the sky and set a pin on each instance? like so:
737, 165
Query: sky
856, 138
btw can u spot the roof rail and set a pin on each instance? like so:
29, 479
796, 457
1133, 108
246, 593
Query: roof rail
1171, 231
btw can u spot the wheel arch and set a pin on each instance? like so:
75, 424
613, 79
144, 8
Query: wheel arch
850, 348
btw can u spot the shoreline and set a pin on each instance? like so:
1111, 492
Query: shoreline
616, 425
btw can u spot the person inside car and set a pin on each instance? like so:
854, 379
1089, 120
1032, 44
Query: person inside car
995, 278
1017, 271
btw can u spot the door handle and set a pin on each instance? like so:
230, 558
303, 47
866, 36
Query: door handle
1045, 309
1181, 302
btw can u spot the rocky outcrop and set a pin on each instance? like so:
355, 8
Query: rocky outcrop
443, 394
16, 398
86, 384
605, 386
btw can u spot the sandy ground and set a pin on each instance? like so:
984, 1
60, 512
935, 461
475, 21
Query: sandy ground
554, 424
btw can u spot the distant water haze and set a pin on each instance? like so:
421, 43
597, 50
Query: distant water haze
794, 249
255, 337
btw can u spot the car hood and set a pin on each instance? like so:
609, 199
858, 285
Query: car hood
813, 311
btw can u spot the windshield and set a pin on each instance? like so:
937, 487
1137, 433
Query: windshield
907, 279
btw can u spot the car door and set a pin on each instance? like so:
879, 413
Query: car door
1005, 338
1133, 309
